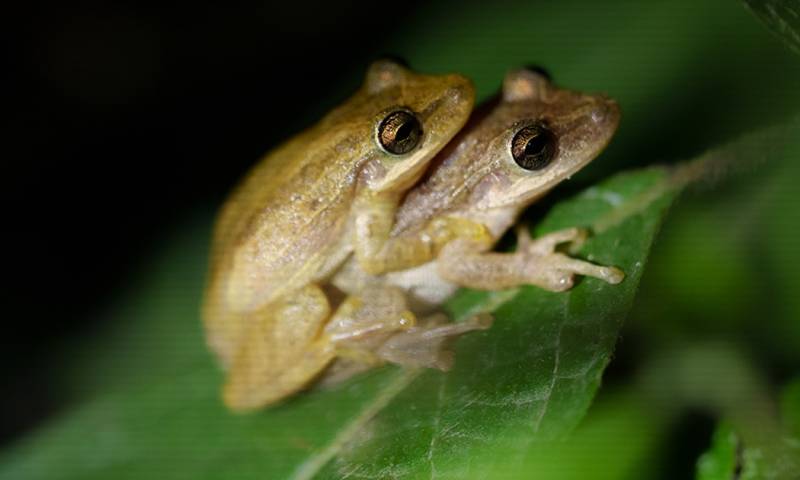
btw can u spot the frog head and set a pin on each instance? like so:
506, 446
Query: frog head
401, 120
535, 137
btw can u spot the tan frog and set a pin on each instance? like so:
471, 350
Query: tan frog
535, 137
328, 192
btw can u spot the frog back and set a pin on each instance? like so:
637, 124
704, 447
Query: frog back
279, 226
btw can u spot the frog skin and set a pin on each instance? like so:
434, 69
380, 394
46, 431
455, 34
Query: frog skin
329, 192
480, 178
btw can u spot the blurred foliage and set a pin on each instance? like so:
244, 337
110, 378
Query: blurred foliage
722, 462
720, 378
782, 17
790, 407
715, 325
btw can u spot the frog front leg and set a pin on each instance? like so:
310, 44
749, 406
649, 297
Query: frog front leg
377, 251
535, 262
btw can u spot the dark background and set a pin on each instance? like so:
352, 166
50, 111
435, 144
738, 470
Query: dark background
125, 119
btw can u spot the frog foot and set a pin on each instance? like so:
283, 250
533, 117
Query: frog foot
427, 344
553, 270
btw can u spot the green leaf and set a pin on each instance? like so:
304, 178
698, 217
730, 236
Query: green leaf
531, 378
781, 16
620, 438
790, 407
731, 457
731, 254
718, 377
526, 381
723, 460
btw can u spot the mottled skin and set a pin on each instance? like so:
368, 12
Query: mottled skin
328, 192
477, 180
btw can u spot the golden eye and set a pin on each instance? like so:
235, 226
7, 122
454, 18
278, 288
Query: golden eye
399, 132
533, 147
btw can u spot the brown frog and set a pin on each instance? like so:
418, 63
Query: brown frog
329, 192
535, 137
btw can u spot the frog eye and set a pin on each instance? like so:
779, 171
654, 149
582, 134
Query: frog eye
399, 132
533, 147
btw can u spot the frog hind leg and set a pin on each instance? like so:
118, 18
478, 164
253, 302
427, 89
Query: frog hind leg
535, 262
376, 327
428, 343
282, 351
363, 321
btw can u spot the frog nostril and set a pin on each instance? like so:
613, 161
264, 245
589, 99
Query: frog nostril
605, 111
456, 94
461, 90
599, 114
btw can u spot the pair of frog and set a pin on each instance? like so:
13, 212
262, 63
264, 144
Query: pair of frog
333, 253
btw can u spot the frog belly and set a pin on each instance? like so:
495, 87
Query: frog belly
425, 288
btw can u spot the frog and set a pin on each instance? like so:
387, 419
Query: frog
514, 150
325, 194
